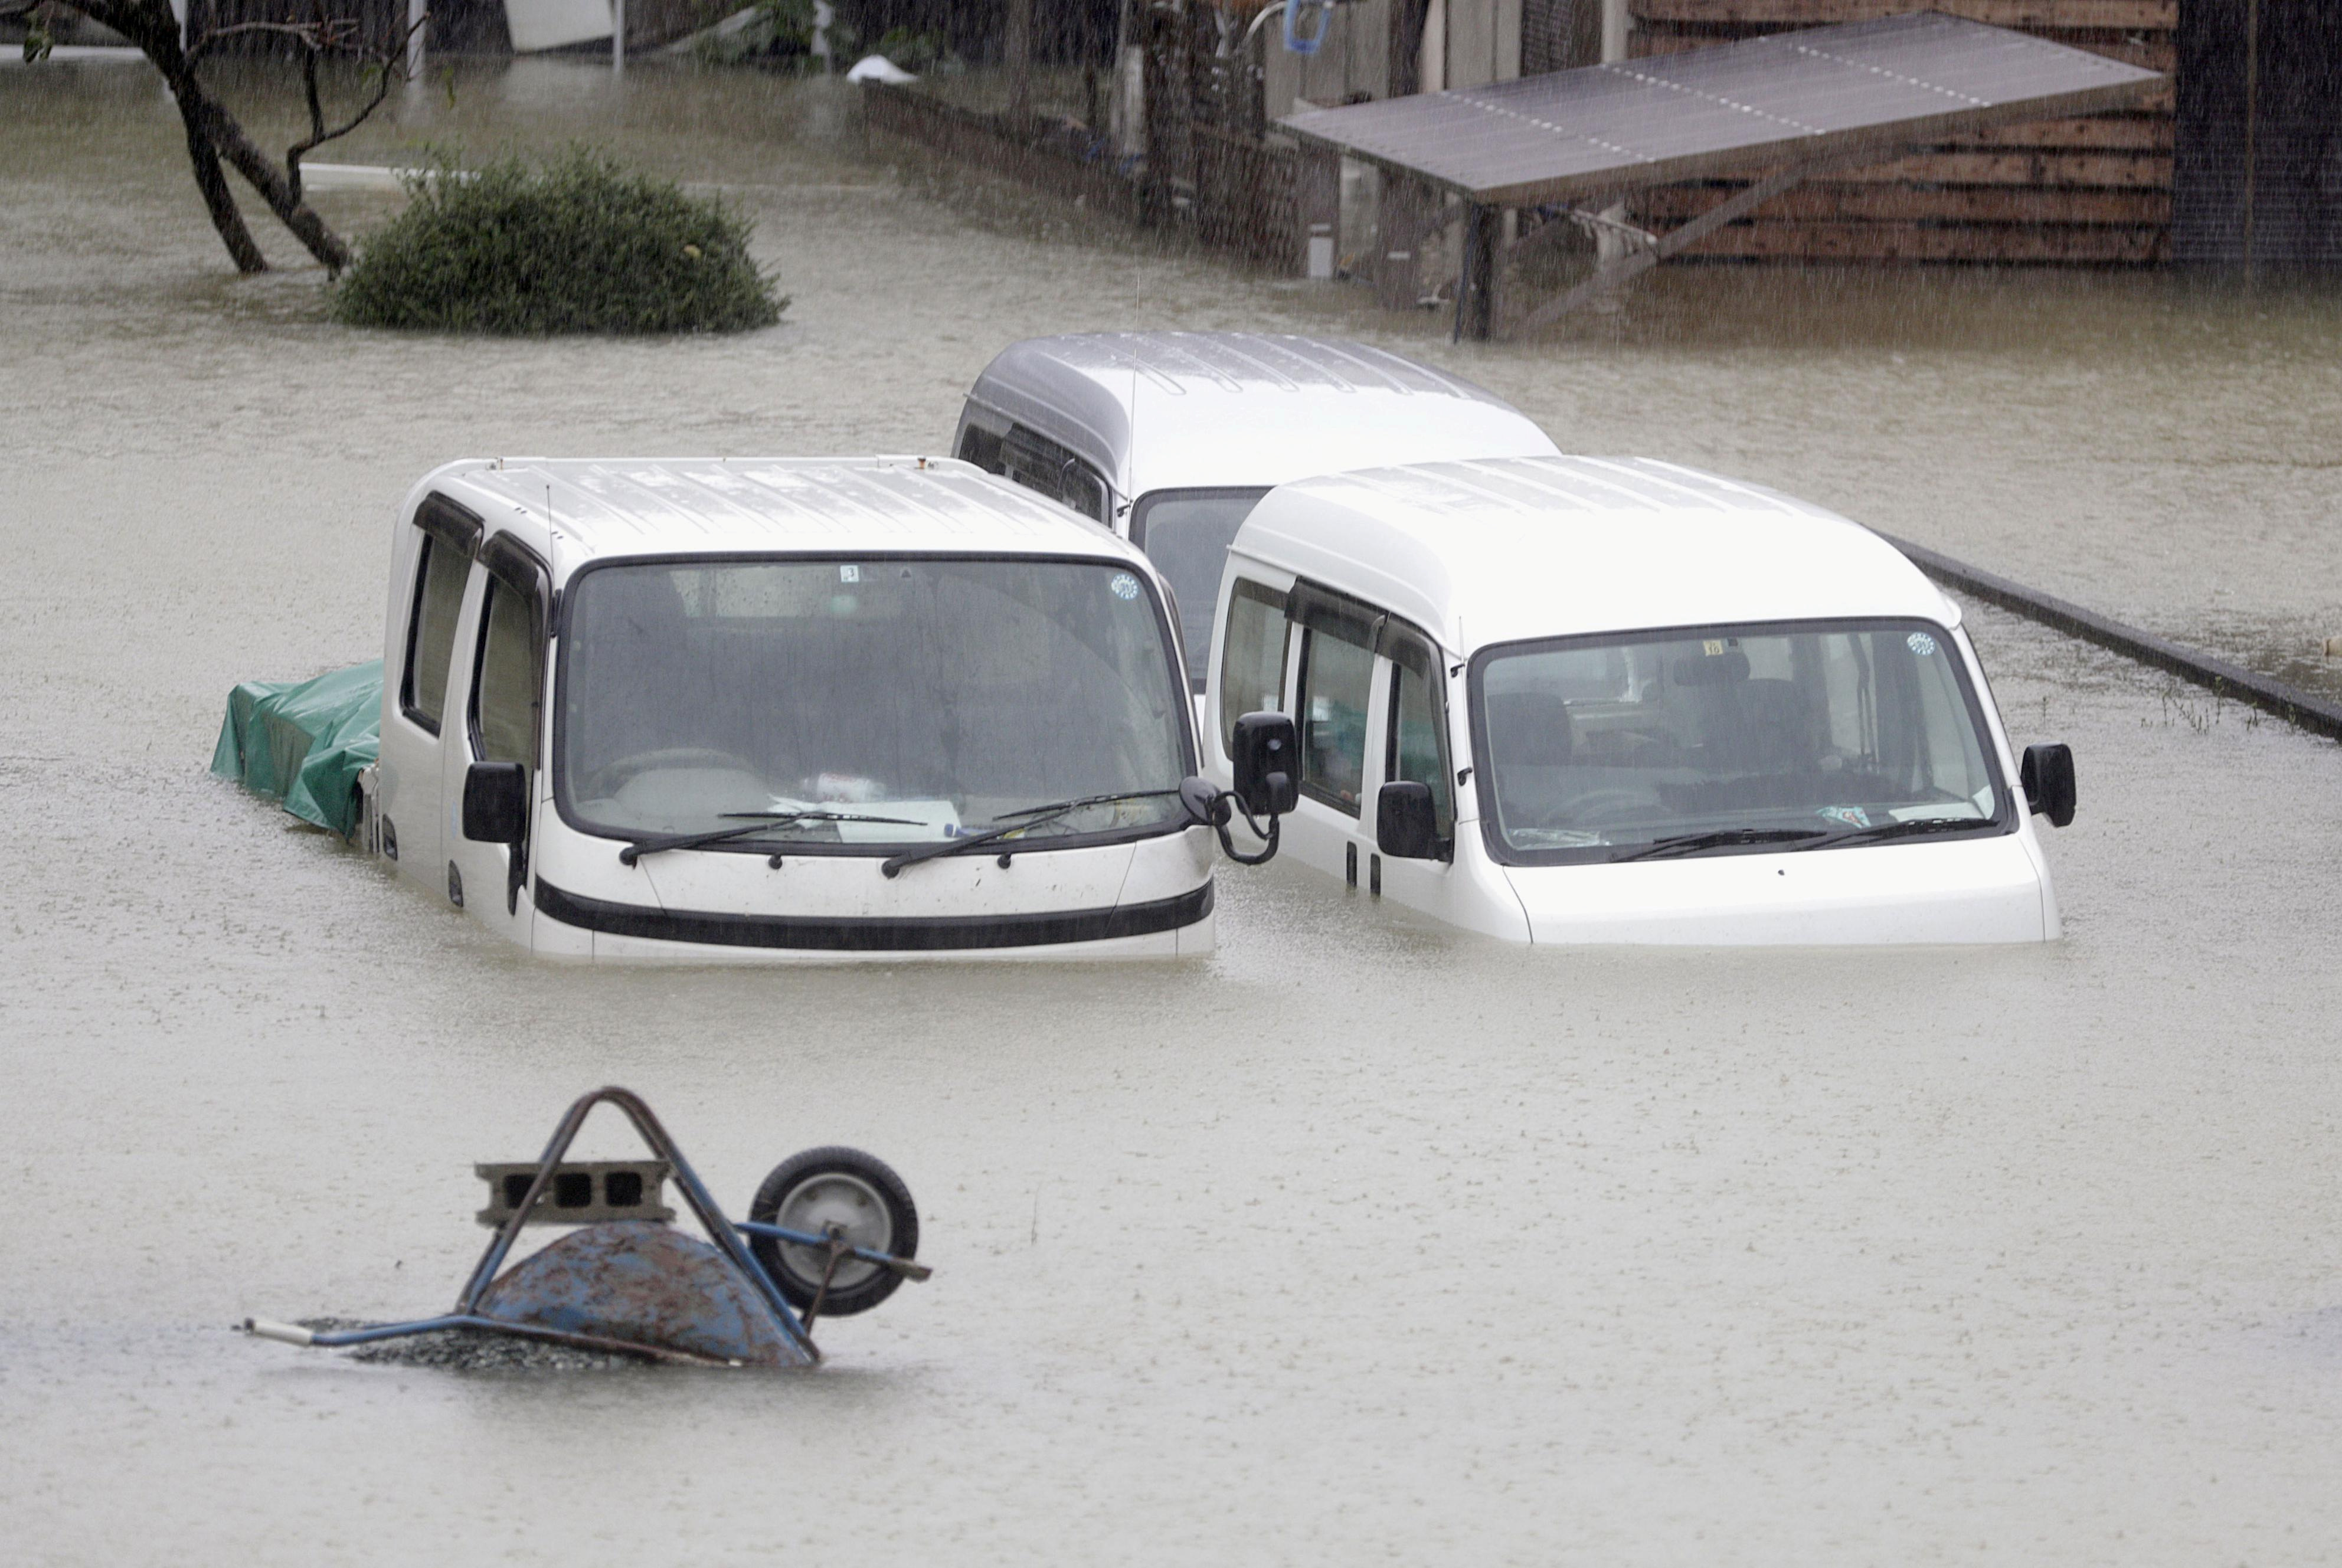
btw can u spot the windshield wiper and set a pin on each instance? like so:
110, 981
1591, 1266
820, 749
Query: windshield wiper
1693, 843
1898, 830
766, 821
1029, 816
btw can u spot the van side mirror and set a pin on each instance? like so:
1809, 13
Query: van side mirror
495, 803
1405, 825
1267, 758
2046, 772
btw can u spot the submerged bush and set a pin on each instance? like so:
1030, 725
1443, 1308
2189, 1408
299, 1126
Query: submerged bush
579, 244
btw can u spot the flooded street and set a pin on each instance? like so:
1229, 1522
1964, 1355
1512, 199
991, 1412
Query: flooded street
1358, 1242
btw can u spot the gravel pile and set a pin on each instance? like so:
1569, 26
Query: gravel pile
477, 1350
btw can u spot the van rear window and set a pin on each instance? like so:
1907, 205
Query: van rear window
1186, 535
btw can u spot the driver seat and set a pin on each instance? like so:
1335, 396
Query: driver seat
1530, 729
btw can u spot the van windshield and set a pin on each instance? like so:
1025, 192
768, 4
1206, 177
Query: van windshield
1730, 738
1186, 533
879, 702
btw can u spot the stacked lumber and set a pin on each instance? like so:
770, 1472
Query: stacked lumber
2094, 190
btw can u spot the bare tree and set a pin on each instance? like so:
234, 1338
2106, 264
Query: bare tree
214, 136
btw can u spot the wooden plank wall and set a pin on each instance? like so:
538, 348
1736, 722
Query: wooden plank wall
2089, 191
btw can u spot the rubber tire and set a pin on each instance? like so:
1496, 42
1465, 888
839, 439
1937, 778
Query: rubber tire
901, 1214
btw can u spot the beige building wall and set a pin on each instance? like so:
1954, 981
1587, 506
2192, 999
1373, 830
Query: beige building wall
1355, 59
1481, 42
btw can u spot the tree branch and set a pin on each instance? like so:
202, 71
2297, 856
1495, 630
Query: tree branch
333, 36
218, 201
319, 136
214, 134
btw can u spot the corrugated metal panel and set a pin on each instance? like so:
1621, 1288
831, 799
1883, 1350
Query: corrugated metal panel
1607, 129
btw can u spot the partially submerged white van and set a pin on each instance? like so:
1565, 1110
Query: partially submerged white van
785, 708
1170, 438
1584, 700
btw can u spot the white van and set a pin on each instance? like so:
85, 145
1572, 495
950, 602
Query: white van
1170, 438
785, 708
1584, 700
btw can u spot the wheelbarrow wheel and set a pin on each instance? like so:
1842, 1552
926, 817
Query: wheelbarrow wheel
862, 1196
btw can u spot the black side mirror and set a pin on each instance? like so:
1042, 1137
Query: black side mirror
495, 803
1268, 760
2046, 772
1405, 826
1202, 800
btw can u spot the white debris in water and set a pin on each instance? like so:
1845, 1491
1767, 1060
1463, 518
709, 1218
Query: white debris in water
879, 69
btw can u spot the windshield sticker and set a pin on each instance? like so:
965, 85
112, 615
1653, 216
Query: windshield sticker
1851, 816
1920, 643
1712, 648
850, 789
849, 573
1124, 585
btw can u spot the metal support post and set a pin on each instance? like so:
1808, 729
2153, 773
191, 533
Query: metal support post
1475, 278
1319, 178
1409, 213
1615, 24
1016, 45
617, 37
1611, 276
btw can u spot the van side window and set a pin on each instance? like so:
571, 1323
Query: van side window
1037, 463
1337, 672
1252, 662
503, 683
439, 574
1417, 743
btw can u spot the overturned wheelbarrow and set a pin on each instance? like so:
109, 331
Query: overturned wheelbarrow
832, 1232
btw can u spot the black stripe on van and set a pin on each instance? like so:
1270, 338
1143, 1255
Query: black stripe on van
927, 934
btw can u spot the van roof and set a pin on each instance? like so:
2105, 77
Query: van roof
573, 510
1242, 408
1494, 552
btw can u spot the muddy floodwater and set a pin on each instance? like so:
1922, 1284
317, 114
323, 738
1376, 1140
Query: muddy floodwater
1359, 1242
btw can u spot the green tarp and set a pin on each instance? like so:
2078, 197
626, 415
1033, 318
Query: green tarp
303, 742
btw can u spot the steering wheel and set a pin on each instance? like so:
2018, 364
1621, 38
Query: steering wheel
612, 777
1594, 804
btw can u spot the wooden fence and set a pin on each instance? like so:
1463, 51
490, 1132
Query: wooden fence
2096, 190
1237, 191
1034, 157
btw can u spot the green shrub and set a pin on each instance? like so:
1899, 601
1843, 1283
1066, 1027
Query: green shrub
579, 244
918, 53
774, 33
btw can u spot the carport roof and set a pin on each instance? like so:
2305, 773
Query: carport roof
1727, 110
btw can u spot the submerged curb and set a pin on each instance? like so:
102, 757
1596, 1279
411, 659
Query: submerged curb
2288, 702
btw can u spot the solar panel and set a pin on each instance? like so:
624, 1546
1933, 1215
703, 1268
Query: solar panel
1824, 91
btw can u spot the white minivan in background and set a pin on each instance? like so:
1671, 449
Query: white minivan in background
1586, 700
1170, 438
